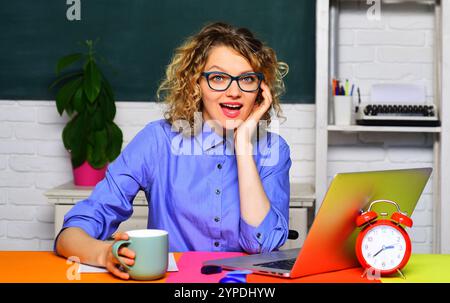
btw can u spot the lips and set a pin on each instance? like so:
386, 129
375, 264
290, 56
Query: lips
231, 109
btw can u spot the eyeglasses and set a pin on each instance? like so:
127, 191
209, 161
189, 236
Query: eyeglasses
220, 81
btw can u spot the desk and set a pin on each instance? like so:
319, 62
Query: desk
46, 267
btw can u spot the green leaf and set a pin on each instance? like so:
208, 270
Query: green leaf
64, 77
67, 133
97, 120
65, 94
91, 107
107, 106
67, 61
78, 100
96, 151
69, 108
108, 89
115, 141
92, 81
74, 139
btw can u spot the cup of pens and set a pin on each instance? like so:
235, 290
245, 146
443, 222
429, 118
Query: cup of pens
343, 102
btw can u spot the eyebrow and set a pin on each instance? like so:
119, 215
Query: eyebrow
223, 70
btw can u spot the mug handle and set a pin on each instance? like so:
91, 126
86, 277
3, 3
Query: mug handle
115, 250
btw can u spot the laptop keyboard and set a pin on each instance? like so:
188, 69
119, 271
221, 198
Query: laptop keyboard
281, 264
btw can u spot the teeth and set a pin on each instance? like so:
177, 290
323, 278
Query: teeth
232, 106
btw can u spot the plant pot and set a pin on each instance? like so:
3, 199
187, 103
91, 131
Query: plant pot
86, 175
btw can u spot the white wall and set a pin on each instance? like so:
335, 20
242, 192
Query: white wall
33, 160
398, 48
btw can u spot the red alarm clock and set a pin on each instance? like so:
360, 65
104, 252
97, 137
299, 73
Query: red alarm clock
383, 245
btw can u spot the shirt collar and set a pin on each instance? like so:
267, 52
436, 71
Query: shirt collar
209, 139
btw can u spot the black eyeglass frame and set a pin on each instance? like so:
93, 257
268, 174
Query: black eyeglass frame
236, 78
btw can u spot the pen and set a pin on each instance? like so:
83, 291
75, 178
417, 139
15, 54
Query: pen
359, 97
351, 93
346, 87
359, 101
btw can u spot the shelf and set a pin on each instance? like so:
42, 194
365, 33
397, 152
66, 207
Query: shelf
396, 129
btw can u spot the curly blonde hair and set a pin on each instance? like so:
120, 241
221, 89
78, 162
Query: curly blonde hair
180, 88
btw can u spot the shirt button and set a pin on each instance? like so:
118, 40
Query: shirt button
217, 219
216, 244
217, 191
258, 235
219, 166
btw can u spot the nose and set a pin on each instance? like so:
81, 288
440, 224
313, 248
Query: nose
234, 90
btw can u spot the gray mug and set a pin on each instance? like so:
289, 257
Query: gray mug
151, 247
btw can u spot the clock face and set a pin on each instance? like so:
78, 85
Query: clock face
383, 247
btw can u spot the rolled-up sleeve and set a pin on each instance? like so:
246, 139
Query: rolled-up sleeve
110, 202
272, 232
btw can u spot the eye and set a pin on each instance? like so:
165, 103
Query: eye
248, 79
217, 78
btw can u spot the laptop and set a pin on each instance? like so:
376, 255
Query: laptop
330, 243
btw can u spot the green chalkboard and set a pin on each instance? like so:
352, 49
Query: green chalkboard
138, 37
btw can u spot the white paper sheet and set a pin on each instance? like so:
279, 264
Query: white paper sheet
398, 93
84, 268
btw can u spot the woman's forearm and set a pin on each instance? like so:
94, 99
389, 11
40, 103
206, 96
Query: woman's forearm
74, 241
254, 202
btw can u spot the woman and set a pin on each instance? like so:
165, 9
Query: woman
217, 185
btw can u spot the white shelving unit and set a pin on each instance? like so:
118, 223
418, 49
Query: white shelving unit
327, 12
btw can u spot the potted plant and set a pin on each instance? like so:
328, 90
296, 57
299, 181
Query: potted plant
91, 137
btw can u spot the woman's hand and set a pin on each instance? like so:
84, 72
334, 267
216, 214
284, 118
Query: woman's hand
126, 255
244, 133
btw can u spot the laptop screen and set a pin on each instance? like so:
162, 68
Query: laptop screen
330, 244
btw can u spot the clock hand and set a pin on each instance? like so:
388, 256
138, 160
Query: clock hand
383, 248
379, 251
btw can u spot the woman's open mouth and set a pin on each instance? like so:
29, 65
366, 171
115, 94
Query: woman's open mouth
231, 109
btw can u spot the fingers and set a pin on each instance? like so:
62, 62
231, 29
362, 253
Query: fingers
127, 261
126, 252
267, 95
112, 268
113, 263
264, 87
126, 256
120, 236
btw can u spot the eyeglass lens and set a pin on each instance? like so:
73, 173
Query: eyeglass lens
221, 81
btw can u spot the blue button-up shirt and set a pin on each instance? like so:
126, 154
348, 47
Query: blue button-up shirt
192, 187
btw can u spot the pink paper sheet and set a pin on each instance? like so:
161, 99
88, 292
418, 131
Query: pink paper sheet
190, 264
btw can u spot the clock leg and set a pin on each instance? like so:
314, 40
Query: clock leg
364, 273
401, 274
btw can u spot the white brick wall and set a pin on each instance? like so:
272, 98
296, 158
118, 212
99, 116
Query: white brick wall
396, 48
33, 160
